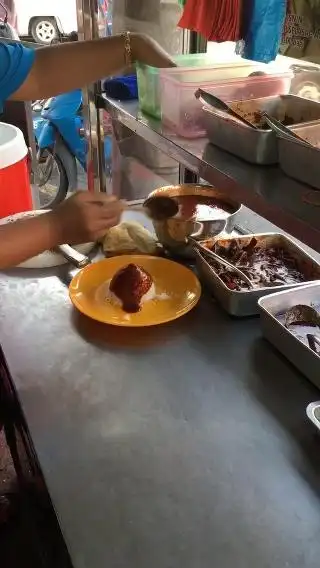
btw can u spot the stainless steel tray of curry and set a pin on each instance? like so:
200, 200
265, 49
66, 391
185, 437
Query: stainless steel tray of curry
257, 145
273, 262
288, 324
302, 162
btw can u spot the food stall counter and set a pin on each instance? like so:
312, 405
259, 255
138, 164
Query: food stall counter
180, 445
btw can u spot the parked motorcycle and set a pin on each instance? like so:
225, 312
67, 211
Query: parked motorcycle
61, 146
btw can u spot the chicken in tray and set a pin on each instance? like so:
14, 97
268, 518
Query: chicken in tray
265, 266
131, 287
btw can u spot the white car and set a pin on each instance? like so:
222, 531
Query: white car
45, 20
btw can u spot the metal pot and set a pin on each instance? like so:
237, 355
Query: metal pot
172, 233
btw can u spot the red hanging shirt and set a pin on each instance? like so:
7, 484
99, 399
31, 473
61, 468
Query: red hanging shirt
216, 20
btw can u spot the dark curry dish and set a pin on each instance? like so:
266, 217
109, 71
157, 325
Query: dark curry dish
266, 267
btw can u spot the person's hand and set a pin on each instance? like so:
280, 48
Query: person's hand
147, 51
85, 217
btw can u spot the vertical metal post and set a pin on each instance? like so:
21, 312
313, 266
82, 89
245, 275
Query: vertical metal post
193, 43
34, 162
87, 14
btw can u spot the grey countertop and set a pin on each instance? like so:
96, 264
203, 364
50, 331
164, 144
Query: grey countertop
292, 206
180, 446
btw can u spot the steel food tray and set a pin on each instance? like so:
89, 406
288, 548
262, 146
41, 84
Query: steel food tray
290, 346
256, 145
298, 109
302, 162
245, 303
313, 413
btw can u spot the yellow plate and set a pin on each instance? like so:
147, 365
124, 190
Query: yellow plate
177, 288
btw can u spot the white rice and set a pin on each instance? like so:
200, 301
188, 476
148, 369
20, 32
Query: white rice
113, 299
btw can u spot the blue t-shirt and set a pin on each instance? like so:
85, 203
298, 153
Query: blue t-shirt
15, 64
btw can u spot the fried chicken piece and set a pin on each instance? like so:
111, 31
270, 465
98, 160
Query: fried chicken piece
130, 285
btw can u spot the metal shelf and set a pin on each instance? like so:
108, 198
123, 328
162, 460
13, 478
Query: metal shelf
265, 190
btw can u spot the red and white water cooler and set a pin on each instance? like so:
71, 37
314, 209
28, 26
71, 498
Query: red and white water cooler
15, 188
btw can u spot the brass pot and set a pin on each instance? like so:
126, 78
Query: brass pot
172, 233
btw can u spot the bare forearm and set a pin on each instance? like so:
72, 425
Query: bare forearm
68, 66
62, 68
25, 239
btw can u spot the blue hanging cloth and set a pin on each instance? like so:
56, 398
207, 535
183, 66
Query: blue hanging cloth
263, 25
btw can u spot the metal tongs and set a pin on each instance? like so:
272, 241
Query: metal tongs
314, 342
219, 104
284, 132
219, 260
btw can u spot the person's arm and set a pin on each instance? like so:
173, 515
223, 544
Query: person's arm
82, 218
68, 66
25, 239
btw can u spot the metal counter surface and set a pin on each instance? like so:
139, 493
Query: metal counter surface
180, 446
265, 190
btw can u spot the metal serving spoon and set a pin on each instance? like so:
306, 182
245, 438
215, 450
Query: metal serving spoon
282, 130
217, 103
195, 244
302, 314
161, 207
158, 208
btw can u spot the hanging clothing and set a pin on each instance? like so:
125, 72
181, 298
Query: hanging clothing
216, 20
262, 27
301, 33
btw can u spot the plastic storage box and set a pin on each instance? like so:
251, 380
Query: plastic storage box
182, 112
149, 78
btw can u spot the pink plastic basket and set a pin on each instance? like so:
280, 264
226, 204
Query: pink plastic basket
181, 111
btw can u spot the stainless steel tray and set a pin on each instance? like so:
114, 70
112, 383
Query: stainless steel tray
297, 352
245, 303
301, 162
313, 413
298, 109
254, 145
